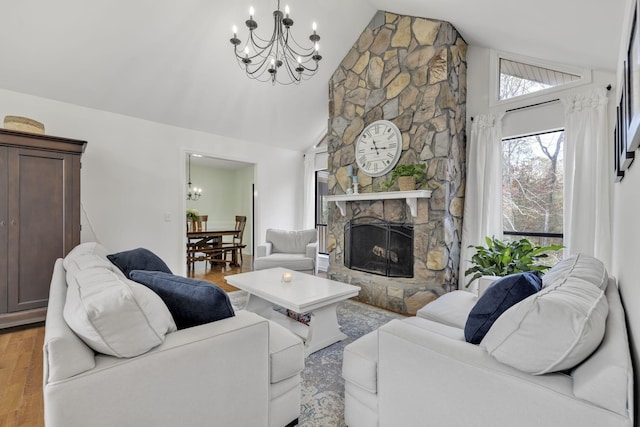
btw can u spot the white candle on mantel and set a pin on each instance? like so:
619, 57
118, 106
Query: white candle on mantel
286, 277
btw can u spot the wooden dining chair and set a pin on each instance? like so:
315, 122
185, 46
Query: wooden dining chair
202, 221
236, 246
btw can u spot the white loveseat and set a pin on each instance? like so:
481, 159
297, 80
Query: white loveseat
421, 371
239, 371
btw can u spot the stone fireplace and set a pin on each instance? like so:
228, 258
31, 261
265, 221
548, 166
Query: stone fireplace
411, 71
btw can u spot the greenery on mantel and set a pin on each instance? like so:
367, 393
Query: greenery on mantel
501, 258
415, 170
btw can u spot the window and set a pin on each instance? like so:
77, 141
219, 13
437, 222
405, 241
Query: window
516, 78
532, 188
322, 211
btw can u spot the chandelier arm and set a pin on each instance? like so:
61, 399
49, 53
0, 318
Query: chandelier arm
308, 51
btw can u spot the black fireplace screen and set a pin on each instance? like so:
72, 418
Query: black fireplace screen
379, 247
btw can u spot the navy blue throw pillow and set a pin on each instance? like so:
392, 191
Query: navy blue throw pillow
138, 259
502, 294
191, 302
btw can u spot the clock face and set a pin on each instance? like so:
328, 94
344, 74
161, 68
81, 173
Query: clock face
378, 148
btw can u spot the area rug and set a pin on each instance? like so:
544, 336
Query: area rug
322, 402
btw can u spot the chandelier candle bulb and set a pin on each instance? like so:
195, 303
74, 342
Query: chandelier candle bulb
286, 11
251, 12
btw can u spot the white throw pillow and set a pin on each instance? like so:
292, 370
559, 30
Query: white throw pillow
577, 267
114, 315
553, 330
83, 249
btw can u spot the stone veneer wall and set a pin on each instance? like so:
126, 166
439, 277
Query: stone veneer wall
411, 71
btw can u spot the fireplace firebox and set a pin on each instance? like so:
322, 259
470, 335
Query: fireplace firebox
379, 247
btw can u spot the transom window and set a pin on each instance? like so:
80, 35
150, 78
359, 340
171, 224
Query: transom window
516, 77
532, 188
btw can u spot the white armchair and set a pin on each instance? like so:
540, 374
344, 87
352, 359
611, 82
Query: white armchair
295, 250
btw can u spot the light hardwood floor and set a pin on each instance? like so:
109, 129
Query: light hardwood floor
21, 403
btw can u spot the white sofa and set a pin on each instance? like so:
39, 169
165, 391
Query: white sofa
293, 249
239, 371
421, 371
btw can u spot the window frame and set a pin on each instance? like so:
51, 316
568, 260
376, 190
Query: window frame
316, 219
545, 94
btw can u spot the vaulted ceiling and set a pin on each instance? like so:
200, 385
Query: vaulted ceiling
170, 61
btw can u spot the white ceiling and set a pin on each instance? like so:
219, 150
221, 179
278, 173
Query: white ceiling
170, 61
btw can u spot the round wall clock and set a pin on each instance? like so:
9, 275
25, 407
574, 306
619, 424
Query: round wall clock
378, 148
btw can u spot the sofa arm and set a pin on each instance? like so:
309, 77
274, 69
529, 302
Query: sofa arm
312, 251
264, 250
421, 363
217, 372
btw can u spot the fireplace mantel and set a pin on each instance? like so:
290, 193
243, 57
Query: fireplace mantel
410, 196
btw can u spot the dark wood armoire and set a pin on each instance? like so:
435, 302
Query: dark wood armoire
39, 218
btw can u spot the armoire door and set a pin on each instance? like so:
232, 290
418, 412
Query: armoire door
40, 221
4, 227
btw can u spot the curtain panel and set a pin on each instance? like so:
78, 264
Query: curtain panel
309, 207
587, 185
483, 192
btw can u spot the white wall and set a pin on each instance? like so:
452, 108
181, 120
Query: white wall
626, 236
133, 175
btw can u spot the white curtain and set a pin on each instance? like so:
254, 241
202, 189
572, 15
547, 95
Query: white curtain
309, 217
483, 193
587, 183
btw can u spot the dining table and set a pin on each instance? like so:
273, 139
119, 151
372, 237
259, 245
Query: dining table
206, 245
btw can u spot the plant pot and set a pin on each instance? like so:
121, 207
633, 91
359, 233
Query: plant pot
406, 183
484, 282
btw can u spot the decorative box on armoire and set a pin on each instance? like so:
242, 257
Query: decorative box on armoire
39, 218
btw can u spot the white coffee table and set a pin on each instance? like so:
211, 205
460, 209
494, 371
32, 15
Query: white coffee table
303, 294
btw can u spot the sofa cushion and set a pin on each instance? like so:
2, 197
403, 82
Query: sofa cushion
502, 294
580, 267
297, 262
286, 353
451, 309
191, 302
291, 242
138, 259
552, 330
113, 315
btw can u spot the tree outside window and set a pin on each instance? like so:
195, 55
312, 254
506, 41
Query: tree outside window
532, 189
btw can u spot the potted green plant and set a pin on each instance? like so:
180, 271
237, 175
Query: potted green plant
408, 176
501, 258
192, 216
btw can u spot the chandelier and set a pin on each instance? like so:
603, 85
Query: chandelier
281, 57
193, 193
